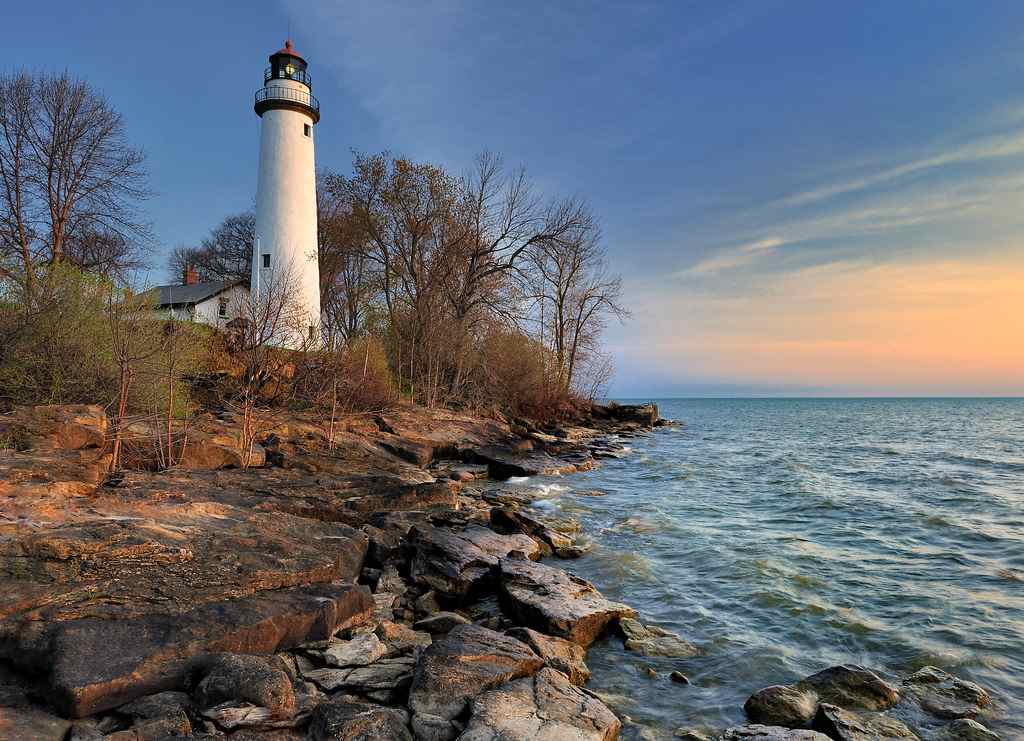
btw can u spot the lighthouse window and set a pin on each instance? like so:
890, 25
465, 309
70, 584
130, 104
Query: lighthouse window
266, 260
306, 129
223, 308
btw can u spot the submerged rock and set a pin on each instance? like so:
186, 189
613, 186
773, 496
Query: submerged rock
966, 729
466, 662
852, 687
782, 705
771, 733
558, 653
842, 725
650, 640
944, 695
545, 707
555, 602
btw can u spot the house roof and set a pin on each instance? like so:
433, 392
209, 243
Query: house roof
175, 295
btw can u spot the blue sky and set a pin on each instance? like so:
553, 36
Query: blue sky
802, 197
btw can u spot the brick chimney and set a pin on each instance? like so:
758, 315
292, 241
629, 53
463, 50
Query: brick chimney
191, 276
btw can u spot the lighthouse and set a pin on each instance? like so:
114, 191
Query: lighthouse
285, 250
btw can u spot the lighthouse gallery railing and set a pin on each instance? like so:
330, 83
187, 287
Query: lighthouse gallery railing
286, 93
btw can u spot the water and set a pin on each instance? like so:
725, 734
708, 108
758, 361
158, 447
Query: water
785, 536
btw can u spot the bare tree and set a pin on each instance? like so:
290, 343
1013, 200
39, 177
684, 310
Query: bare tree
225, 255
130, 320
71, 184
270, 327
574, 295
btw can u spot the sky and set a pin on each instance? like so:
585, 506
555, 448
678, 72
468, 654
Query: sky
802, 197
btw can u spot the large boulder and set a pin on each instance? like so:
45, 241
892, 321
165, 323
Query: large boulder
94, 664
469, 660
453, 562
944, 695
260, 680
843, 725
558, 653
349, 719
550, 540
555, 602
645, 415
544, 707
504, 462
852, 687
63, 427
782, 705
214, 451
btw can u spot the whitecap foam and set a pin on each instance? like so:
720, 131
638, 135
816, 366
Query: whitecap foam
517, 479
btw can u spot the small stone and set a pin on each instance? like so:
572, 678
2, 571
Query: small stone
679, 678
260, 680
782, 705
650, 672
770, 733
842, 725
360, 651
440, 623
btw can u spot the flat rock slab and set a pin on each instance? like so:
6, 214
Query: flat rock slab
555, 602
505, 462
384, 674
95, 664
650, 640
545, 707
453, 562
469, 660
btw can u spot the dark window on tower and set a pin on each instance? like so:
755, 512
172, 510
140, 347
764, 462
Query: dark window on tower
266, 259
223, 309
312, 331
306, 128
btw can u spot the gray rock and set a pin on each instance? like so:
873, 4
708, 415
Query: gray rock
384, 674
401, 639
966, 729
843, 725
852, 687
453, 562
770, 733
348, 719
511, 521
545, 707
260, 680
944, 695
782, 705
440, 623
427, 604
555, 602
467, 661
360, 651
558, 653
650, 640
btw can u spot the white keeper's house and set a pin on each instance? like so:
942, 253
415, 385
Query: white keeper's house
212, 302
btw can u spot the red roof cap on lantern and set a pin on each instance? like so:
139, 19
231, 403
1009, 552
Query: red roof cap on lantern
288, 49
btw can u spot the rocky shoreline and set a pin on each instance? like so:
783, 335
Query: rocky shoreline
384, 586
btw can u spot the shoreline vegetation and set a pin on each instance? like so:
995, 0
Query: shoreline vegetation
207, 536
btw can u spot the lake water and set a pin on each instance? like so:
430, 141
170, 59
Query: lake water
785, 536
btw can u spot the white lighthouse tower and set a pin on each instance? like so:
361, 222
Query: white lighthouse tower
285, 251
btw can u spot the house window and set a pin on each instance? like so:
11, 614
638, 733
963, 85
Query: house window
266, 259
307, 129
223, 308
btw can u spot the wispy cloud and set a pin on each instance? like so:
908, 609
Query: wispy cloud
735, 257
987, 149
